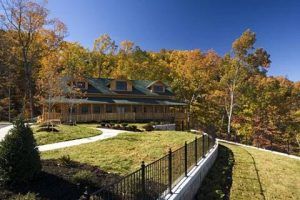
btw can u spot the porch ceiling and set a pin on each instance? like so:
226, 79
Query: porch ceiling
129, 101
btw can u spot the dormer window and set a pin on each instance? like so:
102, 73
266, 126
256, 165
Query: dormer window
158, 88
80, 85
121, 85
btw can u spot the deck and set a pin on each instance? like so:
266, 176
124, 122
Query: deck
131, 117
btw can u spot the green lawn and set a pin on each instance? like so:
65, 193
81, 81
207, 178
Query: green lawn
255, 175
65, 133
123, 154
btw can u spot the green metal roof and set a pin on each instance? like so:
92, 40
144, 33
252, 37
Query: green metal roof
139, 87
142, 95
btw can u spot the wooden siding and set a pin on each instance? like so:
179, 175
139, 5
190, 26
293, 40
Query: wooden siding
114, 116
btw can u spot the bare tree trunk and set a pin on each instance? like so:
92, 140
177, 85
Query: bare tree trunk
71, 112
230, 113
49, 107
31, 101
9, 103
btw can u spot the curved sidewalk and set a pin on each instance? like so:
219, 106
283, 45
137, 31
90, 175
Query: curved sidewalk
106, 133
4, 131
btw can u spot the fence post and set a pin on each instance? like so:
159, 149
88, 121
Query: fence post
86, 194
196, 150
185, 158
170, 170
208, 143
143, 179
203, 145
288, 145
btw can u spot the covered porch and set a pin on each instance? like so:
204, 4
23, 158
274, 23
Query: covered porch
114, 112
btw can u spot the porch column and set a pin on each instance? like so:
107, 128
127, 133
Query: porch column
91, 111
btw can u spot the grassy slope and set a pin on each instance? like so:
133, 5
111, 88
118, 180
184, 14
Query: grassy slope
263, 175
124, 153
65, 133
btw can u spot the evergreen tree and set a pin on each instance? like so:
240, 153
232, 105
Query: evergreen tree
19, 156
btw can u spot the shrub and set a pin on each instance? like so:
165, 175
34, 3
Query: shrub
28, 196
117, 126
47, 129
65, 160
19, 156
108, 125
124, 125
84, 178
133, 127
148, 127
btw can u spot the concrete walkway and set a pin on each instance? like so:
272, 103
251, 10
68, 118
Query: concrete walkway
4, 130
106, 133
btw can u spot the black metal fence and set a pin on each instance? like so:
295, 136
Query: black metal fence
158, 178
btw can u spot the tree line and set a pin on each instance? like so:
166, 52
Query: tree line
230, 95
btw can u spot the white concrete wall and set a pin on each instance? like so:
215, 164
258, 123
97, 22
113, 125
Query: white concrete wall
188, 187
165, 127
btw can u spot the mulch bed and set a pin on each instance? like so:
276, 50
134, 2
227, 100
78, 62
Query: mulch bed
55, 182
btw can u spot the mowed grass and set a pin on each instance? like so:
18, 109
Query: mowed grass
263, 175
66, 132
124, 153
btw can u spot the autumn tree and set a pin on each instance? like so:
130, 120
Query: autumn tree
245, 61
32, 34
74, 67
191, 72
103, 54
50, 81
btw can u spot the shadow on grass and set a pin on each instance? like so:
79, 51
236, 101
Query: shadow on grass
257, 174
56, 181
49, 186
217, 182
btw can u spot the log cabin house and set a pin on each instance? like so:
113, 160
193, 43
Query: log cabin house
119, 100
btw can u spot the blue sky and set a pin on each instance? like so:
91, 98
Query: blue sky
189, 24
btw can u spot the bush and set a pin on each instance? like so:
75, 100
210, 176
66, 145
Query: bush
117, 126
84, 178
124, 125
65, 160
148, 127
133, 127
47, 129
28, 196
19, 156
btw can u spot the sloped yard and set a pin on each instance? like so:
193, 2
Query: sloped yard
123, 154
255, 174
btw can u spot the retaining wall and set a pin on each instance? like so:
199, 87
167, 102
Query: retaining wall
188, 187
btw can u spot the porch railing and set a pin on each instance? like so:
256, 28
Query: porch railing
112, 116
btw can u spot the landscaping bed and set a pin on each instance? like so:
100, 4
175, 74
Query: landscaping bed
134, 127
61, 181
64, 133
